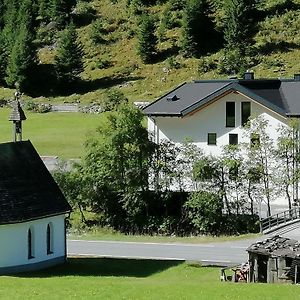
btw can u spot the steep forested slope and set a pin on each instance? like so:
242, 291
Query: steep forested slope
111, 30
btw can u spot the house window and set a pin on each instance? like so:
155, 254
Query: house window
49, 238
233, 139
211, 139
246, 112
254, 140
30, 243
230, 114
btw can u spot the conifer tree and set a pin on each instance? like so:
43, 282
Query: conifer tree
58, 11
3, 57
44, 10
10, 28
198, 28
147, 41
68, 61
20, 60
239, 23
26, 15
239, 27
2, 9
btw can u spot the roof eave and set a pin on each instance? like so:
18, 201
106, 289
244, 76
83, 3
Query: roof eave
36, 218
163, 114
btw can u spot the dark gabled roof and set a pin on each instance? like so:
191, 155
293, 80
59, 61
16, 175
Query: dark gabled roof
27, 189
281, 96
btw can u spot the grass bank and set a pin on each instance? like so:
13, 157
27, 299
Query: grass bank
58, 134
92, 278
104, 234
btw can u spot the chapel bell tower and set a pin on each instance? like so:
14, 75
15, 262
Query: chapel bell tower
17, 116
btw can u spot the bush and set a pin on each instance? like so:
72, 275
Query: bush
37, 107
206, 64
172, 63
46, 36
84, 9
114, 97
204, 211
97, 32
103, 63
240, 224
232, 62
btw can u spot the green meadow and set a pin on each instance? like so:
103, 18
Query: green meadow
99, 278
58, 134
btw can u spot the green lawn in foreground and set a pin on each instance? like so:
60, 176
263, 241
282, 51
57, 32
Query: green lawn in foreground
61, 134
92, 278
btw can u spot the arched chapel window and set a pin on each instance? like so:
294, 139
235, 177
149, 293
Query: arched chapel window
30, 243
49, 238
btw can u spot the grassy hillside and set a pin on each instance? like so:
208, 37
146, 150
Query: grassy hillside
61, 134
115, 63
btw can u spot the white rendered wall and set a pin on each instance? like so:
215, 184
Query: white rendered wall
211, 119
14, 241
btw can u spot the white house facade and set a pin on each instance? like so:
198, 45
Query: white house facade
211, 121
32, 212
213, 113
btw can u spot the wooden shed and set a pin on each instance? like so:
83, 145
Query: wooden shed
276, 259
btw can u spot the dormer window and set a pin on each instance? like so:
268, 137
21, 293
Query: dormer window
172, 98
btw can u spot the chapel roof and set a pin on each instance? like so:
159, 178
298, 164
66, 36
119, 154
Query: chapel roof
279, 95
27, 189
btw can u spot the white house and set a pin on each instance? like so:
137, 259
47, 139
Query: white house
32, 211
212, 113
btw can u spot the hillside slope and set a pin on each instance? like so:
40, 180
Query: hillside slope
114, 61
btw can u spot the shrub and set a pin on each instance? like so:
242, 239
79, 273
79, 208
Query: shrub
113, 99
103, 63
204, 211
206, 64
37, 107
172, 63
97, 32
232, 62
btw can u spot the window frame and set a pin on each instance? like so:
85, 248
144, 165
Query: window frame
233, 135
30, 243
244, 120
49, 238
214, 135
231, 116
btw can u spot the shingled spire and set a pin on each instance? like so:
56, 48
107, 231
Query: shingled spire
17, 116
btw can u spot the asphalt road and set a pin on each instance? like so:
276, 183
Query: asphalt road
221, 253
227, 253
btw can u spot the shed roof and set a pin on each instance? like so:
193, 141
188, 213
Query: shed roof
276, 246
279, 95
27, 189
